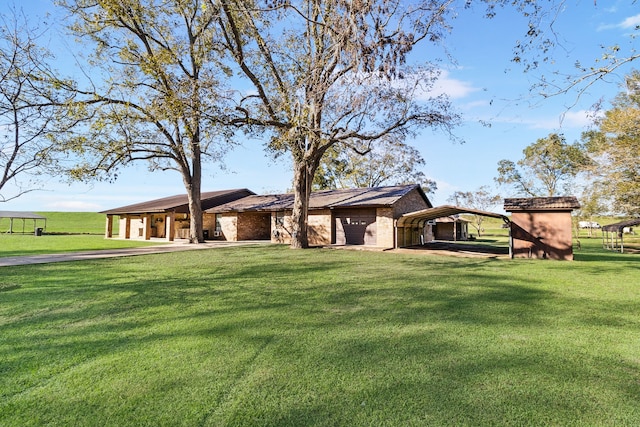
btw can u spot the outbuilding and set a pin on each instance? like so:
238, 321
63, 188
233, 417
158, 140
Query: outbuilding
613, 234
24, 216
541, 226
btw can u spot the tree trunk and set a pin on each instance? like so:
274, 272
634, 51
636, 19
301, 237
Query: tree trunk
195, 211
194, 194
301, 192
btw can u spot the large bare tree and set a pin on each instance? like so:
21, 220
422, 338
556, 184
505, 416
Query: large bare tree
27, 107
157, 94
329, 72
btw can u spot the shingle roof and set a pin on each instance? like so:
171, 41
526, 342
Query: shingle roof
563, 203
180, 202
355, 197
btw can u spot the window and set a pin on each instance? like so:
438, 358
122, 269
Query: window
218, 223
280, 218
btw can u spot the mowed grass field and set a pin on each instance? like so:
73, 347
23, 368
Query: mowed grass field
269, 336
64, 232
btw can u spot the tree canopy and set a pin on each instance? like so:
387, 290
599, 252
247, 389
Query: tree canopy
387, 163
480, 199
547, 168
160, 93
615, 145
329, 72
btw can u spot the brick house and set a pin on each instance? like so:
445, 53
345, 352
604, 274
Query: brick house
541, 227
359, 216
166, 218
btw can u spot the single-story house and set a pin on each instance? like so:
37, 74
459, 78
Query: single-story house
167, 217
358, 216
541, 226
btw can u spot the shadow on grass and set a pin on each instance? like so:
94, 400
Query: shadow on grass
273, 336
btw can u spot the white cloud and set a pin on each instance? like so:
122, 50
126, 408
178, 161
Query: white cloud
568, 120
446, 85
630, 22
73, 205
578, 119
475, 104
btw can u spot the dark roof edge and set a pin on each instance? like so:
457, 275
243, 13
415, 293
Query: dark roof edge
556, 203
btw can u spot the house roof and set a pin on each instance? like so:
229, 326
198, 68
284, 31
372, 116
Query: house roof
562, 203
418, 218
346, 198
180, 202
619, 226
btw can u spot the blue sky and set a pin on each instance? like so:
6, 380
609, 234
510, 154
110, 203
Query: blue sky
484, 85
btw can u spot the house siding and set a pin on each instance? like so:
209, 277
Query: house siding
209, 225
229, 225
281, 231
319, 230
386, 228
319, 227
254, 226
542, 235
411, 202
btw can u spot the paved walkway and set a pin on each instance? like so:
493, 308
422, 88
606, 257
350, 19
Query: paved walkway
112, 253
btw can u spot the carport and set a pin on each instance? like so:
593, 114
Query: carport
409, 228
612, 232
23, 216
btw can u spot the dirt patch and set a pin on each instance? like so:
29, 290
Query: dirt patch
458, 249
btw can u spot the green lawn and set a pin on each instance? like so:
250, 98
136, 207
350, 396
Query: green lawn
65, 232
270, 336
61, 222
20, 244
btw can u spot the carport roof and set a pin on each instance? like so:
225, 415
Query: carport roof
618, 226
418, 218
20, 215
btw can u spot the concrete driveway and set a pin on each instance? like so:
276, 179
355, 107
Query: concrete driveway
112, 253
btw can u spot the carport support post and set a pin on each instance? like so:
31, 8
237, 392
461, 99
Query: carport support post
395, 232
510, 239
